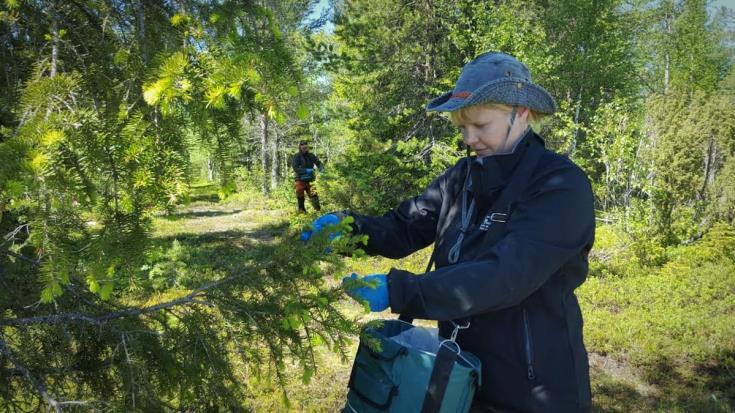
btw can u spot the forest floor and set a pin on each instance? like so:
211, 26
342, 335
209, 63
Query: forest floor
617, 385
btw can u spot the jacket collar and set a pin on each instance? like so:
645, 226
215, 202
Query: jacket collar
490, 173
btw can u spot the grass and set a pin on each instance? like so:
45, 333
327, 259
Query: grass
661, 339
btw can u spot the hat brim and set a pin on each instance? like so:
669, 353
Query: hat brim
507, 91
445, 103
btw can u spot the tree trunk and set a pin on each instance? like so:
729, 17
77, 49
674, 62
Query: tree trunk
709, 161
274, 158
54, 41
54, 67
285, 165
429, 73
573, 143
45, 194
633, 178
651, 176
263, 120
666, 73
140, 17
667, 57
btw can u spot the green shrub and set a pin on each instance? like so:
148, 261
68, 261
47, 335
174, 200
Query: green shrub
673, 322
373, 176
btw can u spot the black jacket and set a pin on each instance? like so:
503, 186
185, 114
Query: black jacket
518, 293
301, 162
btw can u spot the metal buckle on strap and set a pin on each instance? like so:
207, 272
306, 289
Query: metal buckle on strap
498, 217
458, 327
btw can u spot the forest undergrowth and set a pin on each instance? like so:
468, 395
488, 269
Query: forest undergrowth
660, 337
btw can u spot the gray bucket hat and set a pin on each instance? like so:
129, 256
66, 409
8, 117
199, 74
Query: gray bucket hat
498, 78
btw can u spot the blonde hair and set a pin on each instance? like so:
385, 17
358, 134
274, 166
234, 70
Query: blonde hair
460, 116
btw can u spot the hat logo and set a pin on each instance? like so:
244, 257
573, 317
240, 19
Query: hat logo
460, 95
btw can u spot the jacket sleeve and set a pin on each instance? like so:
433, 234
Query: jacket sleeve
551, 225
405, 229
317, 162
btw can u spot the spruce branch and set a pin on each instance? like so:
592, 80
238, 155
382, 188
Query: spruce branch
189, 299
10, 236
31, 261
37, 382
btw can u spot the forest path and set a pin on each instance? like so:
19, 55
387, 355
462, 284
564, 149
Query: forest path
224, 236
205, 215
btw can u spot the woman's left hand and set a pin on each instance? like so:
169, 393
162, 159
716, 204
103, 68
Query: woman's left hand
319, 224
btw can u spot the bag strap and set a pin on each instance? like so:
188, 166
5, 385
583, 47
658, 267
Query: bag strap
445, 359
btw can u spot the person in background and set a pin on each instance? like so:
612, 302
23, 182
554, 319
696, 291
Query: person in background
303, 164
506, 266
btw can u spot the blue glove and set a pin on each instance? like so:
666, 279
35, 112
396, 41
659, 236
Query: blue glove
377, 296
319, 224
309, 171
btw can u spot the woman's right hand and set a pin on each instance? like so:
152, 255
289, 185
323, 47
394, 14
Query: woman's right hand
373, 289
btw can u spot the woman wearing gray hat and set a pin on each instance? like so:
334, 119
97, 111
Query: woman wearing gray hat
512, 228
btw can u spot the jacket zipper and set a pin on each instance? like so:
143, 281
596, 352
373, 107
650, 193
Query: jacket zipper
529, 347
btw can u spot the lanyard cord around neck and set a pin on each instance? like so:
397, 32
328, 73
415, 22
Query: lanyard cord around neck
467, 213
513, 114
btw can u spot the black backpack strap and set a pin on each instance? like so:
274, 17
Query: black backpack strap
439, 380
